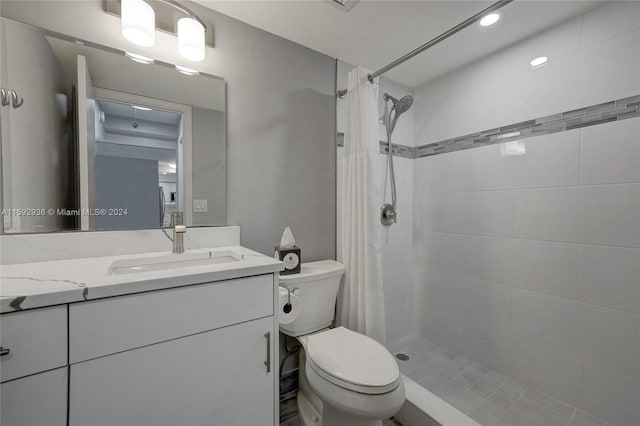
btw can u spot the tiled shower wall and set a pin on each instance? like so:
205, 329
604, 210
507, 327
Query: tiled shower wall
530, 264
397, 241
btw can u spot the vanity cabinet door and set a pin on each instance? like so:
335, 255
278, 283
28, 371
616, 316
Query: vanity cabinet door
38, 400
217, 377
33, 341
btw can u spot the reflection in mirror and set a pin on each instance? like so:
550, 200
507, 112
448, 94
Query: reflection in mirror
137, 151
103, 141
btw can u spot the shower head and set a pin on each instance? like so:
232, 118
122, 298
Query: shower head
403, 104
399, 107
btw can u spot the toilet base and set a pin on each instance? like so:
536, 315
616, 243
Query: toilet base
334, 417
329, 415
308, 414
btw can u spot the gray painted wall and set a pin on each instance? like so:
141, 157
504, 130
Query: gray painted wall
127, 183
208, 165
280, 121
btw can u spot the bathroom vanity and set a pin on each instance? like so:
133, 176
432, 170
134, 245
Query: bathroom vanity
139, 340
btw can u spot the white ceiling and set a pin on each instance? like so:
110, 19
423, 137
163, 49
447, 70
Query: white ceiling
127, 111
376, 32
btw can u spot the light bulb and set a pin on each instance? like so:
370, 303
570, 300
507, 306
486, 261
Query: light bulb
138, 22
191, 39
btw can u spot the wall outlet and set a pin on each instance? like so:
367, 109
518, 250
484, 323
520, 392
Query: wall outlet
200, 206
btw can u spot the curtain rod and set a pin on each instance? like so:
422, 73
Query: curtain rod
445, 35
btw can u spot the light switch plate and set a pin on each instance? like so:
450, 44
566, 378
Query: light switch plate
200, 206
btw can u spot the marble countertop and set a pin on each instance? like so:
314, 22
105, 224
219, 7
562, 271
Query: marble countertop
33, 285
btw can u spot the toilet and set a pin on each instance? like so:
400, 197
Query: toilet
345, 378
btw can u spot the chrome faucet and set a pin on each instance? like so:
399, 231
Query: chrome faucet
179, 229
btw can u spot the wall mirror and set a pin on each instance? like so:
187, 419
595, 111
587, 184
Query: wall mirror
94, 138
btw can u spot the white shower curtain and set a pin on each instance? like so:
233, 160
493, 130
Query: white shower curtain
361, 304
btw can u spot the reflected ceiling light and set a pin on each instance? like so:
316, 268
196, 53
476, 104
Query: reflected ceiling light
138, 22
187, 71
490, 19
141, 108
539, 61
172, 165
191, 39
139, 58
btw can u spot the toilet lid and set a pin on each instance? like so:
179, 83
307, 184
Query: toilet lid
352, 358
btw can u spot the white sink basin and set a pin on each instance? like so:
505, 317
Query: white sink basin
173, 261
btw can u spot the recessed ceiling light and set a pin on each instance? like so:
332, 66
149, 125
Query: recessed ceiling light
185, 70
538, 61
139, 58
490, 19
141, 108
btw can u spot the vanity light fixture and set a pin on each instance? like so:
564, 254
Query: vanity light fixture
538, 61
141, 108
186, 71
191, 39
490, 19
138, 22
139, 58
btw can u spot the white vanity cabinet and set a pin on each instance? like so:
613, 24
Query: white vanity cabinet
195, 355
33, 367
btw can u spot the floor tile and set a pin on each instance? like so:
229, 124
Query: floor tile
580, 418
492, 380
441, 377
453, 388
474, 372
488, 397
511, 390
553, 417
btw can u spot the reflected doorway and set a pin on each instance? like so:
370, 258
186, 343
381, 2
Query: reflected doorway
138, 164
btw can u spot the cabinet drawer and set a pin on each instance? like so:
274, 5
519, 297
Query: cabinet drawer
36, 339
113, 325
38, 400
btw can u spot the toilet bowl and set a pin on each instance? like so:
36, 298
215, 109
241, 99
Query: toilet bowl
346, 378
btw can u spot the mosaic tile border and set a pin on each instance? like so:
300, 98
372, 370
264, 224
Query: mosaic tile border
398, 150
617, 110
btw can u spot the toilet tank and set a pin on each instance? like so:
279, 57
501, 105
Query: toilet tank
317, 287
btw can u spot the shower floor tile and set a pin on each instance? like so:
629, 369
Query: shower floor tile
488, 397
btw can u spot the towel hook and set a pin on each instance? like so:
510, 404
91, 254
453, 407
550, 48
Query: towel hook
4, 97
15, 103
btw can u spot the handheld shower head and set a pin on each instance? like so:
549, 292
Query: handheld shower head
399, 107
403, 104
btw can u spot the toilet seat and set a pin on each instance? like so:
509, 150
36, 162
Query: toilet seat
352, 361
